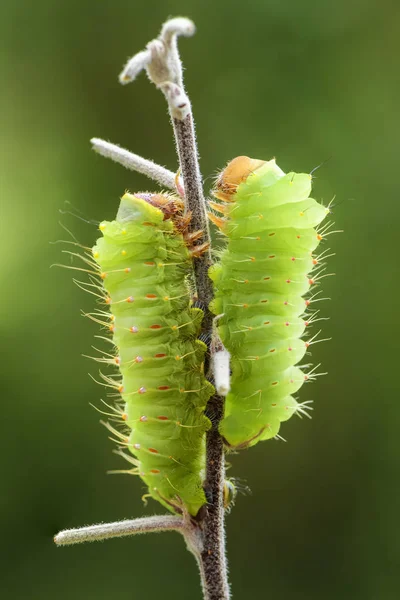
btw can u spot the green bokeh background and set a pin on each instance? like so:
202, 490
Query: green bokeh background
301, 80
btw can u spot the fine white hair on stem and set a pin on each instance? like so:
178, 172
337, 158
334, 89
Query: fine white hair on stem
161, 58
177, 99
134, 162
105, 531
134, 66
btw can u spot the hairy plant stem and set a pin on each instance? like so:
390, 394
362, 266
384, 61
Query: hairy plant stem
104, 531
205, 534
134, 162
212, 559
195, 202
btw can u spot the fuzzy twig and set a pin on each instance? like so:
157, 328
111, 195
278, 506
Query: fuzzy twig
163, 66
134, 162
105, 531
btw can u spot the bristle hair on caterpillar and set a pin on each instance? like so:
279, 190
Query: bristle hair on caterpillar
261, 284
144, 262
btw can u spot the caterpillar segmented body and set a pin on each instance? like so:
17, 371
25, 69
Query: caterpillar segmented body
260, 282
144, 266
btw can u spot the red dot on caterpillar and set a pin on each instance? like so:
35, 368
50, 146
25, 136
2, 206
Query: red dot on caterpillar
311, 281
108, 300
103, 275
124, 417
117, 360
142, 390
153, 450
133, 329
127, 270
155, 326
271, 256
161, 355
314, 261
298, 236
162, 418
164, 387
308, 302
130, 299
150, 264
287, 324
138, 359
245, 305
263, 301
267, 278
151, 296
274, 383
288, 281
290, 349
273, 350
293, 258
143, 419
111, 328
306, 323
120, 389
307, 344
267, 322
285, 303
319, 237
252, 258
154, 471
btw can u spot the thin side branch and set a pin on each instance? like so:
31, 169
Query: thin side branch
105, 531
134, 162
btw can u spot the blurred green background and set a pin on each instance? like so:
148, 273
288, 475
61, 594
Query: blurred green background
301, 80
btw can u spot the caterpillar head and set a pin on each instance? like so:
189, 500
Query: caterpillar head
236, 172
167, 207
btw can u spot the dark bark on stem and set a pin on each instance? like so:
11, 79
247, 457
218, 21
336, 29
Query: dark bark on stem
195, 203
212, 558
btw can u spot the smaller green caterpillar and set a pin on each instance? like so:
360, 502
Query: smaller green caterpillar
144, 264
260, 282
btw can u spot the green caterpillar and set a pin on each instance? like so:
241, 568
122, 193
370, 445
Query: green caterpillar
144, 263
260, 282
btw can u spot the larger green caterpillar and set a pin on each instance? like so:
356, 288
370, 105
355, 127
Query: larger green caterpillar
260, 283
144, 265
